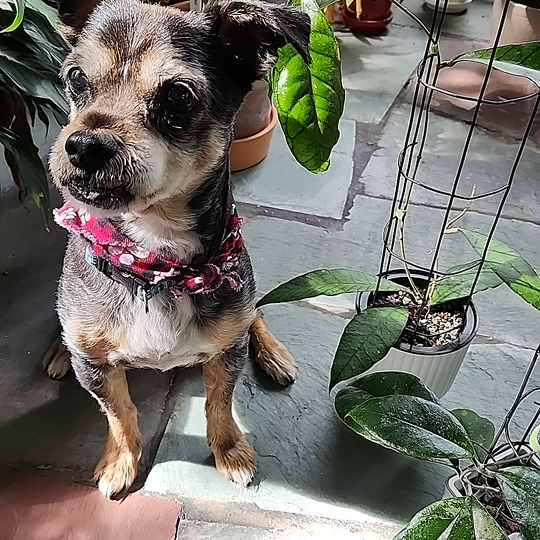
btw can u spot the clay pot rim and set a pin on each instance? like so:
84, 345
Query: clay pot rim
271, 125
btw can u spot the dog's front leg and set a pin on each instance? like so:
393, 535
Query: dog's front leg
234, 456
117, 468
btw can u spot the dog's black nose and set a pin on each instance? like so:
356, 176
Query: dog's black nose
90, 151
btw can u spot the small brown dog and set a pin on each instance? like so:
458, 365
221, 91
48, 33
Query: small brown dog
156, 274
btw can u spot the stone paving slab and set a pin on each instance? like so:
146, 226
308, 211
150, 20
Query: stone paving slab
474, 23
375, 69
309, 463
487, 167
281, 182
43, 422
283, 249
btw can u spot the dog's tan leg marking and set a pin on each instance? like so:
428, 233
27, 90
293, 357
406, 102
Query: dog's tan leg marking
56, 361
235, 458
117, 468
271, 354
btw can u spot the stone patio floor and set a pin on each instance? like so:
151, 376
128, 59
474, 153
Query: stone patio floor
315, 478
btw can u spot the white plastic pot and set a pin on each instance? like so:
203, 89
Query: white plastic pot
453, 6
521, 24
437, 367
454, 488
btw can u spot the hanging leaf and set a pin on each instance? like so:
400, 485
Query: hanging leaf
412, 426
327, 282
462, 518
310, 98
460, 285
510, 266
481, 430
19, 15
520, 59
386, 383
31, 168
521, 490
366, 340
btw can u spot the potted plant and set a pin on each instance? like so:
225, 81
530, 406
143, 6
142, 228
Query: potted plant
496, 489
366, 17
409, 322
30, 89
521, 23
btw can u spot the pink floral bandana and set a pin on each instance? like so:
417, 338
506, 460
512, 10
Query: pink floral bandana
150, 272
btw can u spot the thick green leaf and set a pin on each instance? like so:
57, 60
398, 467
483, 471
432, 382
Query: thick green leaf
43, 8
521, 490
510, 266
459, 285
480, 430
327, 282
412, 426
19, 15
521, 59
452, 519
31, 167
389, 383
366, 340
310, 98
386, 383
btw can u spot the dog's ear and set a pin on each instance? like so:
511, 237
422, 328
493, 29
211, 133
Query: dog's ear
73, 15
251, 32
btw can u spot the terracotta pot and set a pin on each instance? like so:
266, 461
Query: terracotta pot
522, 23
254, 114
249, 151
375, 17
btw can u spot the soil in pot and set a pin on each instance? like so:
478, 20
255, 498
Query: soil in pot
437, 326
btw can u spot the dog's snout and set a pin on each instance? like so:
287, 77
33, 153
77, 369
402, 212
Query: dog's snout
90, 151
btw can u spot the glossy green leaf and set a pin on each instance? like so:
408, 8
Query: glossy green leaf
520, 59
309, 98
327, 282
521, 490
480, 430
510, 266
460, 285
387, 383
366, 340
413, 426
31, 167
19, 15
462, 518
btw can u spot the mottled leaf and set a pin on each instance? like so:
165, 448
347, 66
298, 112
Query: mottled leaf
412, 426
480, 430
460, 285
366, 340
327, 282
510, 266
521, 490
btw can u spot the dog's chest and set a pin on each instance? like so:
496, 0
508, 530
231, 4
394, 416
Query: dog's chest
165, 337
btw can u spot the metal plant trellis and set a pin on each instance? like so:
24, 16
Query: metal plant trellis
508, 436
410, 159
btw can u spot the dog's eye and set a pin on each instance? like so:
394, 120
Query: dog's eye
78, 80
180, 100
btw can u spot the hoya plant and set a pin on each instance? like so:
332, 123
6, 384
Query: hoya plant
498, 497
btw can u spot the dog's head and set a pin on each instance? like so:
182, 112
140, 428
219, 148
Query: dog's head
154, 92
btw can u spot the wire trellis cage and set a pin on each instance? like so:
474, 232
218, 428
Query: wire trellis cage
456, 202
512, 438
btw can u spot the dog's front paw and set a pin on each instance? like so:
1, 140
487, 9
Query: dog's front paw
116, 472
237, 462
56, 361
